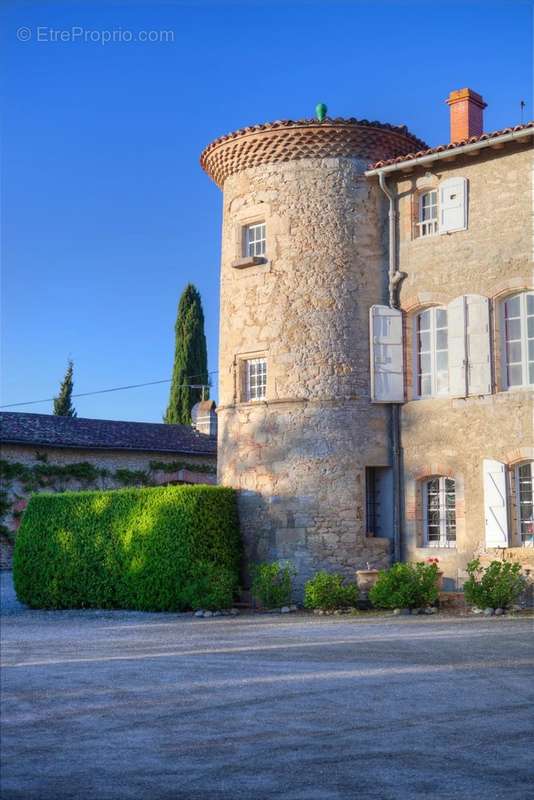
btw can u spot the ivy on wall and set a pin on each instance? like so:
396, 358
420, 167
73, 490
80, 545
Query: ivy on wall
55, 477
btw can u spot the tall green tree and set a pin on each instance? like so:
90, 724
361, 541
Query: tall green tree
190, 358
63, 402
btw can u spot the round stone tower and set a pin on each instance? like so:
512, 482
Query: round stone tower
296, 426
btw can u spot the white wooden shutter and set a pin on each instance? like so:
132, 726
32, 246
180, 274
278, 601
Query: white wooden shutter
478, 344
495, 503
387, 375
456, 317
453, 205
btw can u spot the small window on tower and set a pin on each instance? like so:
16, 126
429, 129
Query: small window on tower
254, 240
255, 379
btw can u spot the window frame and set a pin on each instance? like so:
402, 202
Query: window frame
435, 392
527, 543
248, 244
259, 386
429, 227
444, 541
523, 340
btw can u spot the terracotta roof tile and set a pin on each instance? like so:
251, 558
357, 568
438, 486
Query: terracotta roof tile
451, 146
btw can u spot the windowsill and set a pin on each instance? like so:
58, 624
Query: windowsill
262, 401
432, 547
433, 397
248, 261
525, 387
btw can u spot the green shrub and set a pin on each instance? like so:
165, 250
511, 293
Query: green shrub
210, 586
160, 549
406, 586
271, 583
496, 586
326, 591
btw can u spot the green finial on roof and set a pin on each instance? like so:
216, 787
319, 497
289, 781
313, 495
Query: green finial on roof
320, 111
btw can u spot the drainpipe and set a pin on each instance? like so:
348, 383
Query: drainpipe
394, 277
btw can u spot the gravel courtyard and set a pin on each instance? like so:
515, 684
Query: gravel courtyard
127, 705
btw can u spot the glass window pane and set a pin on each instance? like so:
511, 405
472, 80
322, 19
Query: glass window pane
442, 360
512, 307
442, 382
424, 363
424, 342
424, 320
530, 303
515, 375
531, 373
530, 327
513, 329
425, 387
513, 353
441, 339
441, 317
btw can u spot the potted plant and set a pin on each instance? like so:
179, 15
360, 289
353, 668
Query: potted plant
439, 582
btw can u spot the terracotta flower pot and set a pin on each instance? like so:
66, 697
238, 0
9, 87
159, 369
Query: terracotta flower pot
366, 578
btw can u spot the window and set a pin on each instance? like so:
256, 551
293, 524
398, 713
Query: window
254, 239
428, 213
525, 498
379, 501
439, 512
518, 340
432, 366
256, 379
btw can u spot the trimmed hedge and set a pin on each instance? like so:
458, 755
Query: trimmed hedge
152, 549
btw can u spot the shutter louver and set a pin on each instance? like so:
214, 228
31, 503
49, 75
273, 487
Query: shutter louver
478, 344
453, 205
387, 374
495, 503
456, 318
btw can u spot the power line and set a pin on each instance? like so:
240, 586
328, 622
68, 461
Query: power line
117, 389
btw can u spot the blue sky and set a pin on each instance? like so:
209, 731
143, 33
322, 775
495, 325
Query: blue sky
107, 214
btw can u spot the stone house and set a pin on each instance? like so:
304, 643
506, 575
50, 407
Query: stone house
377, 341
42, 452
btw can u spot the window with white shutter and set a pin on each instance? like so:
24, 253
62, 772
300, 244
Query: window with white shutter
456, 318
469, 346
453, 205
518, 340
439, 512
524, 493
495, 503
387, 374
431, 347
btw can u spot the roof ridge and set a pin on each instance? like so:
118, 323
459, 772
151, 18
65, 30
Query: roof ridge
440, 148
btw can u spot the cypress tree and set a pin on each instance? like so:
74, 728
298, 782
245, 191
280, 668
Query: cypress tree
63, 402
190, 358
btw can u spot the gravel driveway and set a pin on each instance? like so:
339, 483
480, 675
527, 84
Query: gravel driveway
128, 705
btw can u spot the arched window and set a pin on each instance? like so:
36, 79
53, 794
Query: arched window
524, 474
432, 367
518, 340
428, 213
439, 512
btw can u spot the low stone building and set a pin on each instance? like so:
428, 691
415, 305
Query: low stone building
377, 341
41, 452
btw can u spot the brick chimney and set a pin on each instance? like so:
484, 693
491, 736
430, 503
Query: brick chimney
467, 112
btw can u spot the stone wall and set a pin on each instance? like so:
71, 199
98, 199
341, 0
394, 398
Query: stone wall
493, 258
299, 457
115, 469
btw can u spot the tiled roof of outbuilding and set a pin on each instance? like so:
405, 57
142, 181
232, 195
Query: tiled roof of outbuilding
47, 430
451, 146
